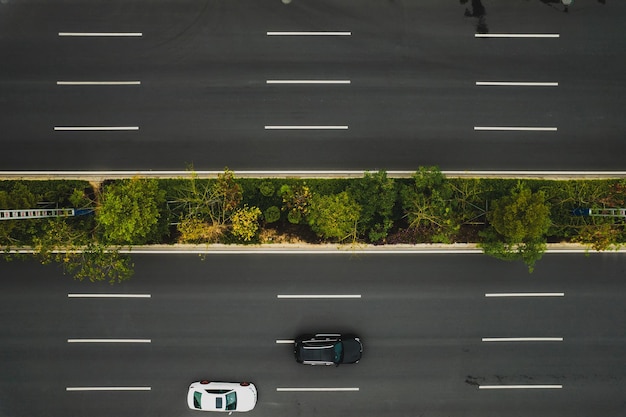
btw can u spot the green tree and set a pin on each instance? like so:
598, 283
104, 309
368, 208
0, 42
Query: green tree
520, 222
296, 201
17, 232
129, 211
377, 195
207, 207
334, 216
246, 223
430, 205
80, 255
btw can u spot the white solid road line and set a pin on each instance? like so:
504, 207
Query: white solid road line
516, 35
306, 127
109, 341
101, 34
516, 128
309, 174
285, 341
517, 84
318, 296
520, 386
309, 33
75, 295
108, 388
315, 389
307, 81
526, 294
522, 339
98, 82
83, 128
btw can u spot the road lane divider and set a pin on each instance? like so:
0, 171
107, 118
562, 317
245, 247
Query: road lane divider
306, 127
285, 341
526, 294
94, 128
520, 386
312, 389
522, 339
515, 128
517, 84
516, 35
81, 295
313, 296
102, 34
109, 341
98, 82
108, 388
307, 81
319, 33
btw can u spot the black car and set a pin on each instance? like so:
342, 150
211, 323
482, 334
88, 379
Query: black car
327, 349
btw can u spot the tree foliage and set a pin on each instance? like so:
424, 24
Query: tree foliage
429, 204
334, 216
79, 254
520, 222
129, 211
296, 201
245, 223
377, 196
207, 207
17, 232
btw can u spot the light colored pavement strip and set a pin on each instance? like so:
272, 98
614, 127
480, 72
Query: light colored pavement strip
314, 296
520, 386
522, 339
516, 84
109, 341
101, 34
108, 295
310, 127
316, 389
108, 388
97, 175
87, 128
526, 294
516, 128
307, 81
309, 33
98, 82
285, 341
308, 250
516, 35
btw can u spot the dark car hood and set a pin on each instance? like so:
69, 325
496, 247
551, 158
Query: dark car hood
352, 349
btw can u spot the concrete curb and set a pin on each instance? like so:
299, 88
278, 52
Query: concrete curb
458, 248
108, 175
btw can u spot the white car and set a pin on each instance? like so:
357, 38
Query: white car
221, 396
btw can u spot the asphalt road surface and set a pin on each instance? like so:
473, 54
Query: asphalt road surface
432, 328
203, 82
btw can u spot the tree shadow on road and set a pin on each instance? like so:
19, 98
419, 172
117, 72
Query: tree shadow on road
479, 12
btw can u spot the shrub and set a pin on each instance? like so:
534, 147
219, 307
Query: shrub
245, 223
272, 214
267, 188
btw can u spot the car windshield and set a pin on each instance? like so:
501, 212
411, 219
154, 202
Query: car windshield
338, 352
231, 401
